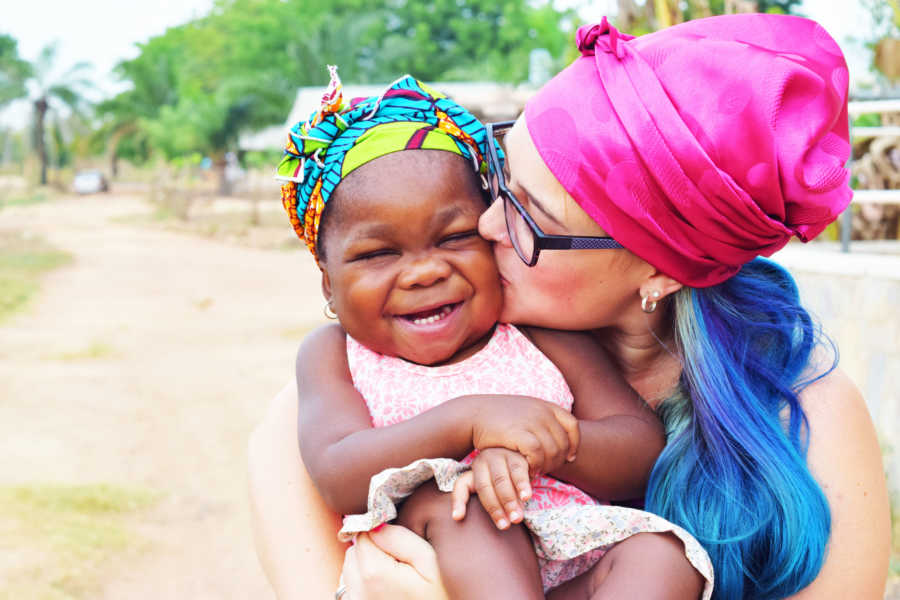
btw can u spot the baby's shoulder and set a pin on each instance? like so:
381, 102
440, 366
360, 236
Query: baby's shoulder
328, 340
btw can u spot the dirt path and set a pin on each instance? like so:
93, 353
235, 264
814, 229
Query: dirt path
146, 362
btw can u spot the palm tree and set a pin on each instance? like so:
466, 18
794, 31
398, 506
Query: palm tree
13, 70
47, 93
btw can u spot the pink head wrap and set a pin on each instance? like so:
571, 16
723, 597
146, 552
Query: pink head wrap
703, 145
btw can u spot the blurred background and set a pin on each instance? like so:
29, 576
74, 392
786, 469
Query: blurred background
152, 293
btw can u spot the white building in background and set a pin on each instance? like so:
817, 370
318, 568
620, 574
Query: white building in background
487, 100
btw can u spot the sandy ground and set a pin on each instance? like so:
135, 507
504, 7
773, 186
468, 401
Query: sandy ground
191, 338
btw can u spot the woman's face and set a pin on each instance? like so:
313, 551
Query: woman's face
566, 289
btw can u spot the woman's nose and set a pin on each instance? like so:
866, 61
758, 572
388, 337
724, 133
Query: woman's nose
492, 224
424, 271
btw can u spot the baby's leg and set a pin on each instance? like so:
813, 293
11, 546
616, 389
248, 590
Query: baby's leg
650, 566
477, 560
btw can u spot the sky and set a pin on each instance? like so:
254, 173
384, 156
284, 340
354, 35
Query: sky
104, 32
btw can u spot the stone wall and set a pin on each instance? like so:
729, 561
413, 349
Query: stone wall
856, 297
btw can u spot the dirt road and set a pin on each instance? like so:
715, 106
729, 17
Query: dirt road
146, 362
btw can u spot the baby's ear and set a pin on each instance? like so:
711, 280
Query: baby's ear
326, 284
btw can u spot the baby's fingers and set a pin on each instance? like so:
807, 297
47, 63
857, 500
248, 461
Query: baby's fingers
484, 487
459, 497
518, 471
570, 424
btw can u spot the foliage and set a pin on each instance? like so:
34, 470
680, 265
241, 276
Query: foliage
22, 262
13, 70
58, 95
65, 535
197, 87
642, 16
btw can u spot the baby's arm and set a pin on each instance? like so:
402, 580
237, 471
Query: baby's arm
342, 451
621, 437
339, 447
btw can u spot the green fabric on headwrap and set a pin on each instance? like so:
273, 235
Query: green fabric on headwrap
394, 137
339, 138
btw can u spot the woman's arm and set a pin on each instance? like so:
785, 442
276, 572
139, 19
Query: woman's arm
294, 531
621, 437
845, 459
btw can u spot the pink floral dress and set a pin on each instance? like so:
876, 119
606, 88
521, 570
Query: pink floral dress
571, 530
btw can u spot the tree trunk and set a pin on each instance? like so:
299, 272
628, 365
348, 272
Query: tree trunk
219, 165
627, 14
40, 146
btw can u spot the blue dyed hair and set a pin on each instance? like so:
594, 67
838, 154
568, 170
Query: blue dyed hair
734, 470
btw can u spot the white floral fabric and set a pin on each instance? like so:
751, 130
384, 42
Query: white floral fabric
570, 529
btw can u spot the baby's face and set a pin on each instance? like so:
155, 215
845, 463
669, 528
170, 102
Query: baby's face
406, 270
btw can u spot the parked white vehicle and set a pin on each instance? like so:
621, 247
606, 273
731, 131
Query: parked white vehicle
89, 182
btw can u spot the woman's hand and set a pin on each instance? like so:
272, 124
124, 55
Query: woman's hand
501, 480
392, 563
546, 435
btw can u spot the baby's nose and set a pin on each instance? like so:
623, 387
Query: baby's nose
424, 271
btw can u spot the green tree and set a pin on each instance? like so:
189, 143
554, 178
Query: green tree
48, 93
195, 88
13, 70
643, 17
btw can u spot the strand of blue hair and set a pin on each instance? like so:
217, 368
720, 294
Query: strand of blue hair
734, 470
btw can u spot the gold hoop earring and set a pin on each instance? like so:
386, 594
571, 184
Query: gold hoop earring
329, 311
647, 305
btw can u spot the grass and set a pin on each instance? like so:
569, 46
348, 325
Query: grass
62, 536
23, 259
94, 351
22, 198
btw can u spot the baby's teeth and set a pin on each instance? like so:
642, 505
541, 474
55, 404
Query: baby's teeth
434, 318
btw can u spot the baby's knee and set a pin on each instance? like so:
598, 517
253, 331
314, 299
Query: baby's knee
624, 570
426, 506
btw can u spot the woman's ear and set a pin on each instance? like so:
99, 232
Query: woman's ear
658, 286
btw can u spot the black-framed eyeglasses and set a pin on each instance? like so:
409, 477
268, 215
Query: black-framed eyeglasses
526, 236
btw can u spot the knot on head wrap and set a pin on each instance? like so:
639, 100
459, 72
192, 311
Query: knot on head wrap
701, 146
587, 37
339, 138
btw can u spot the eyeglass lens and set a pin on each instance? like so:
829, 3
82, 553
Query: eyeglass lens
520, 234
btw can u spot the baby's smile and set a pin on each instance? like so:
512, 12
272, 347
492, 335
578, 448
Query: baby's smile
431, 315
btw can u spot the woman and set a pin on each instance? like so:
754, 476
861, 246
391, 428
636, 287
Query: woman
697, 148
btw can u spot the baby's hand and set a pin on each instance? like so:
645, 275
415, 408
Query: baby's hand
500, 478
546, 435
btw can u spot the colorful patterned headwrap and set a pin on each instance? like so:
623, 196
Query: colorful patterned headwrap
339, 138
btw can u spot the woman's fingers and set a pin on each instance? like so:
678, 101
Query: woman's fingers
407, 547
392, 563
459, 497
